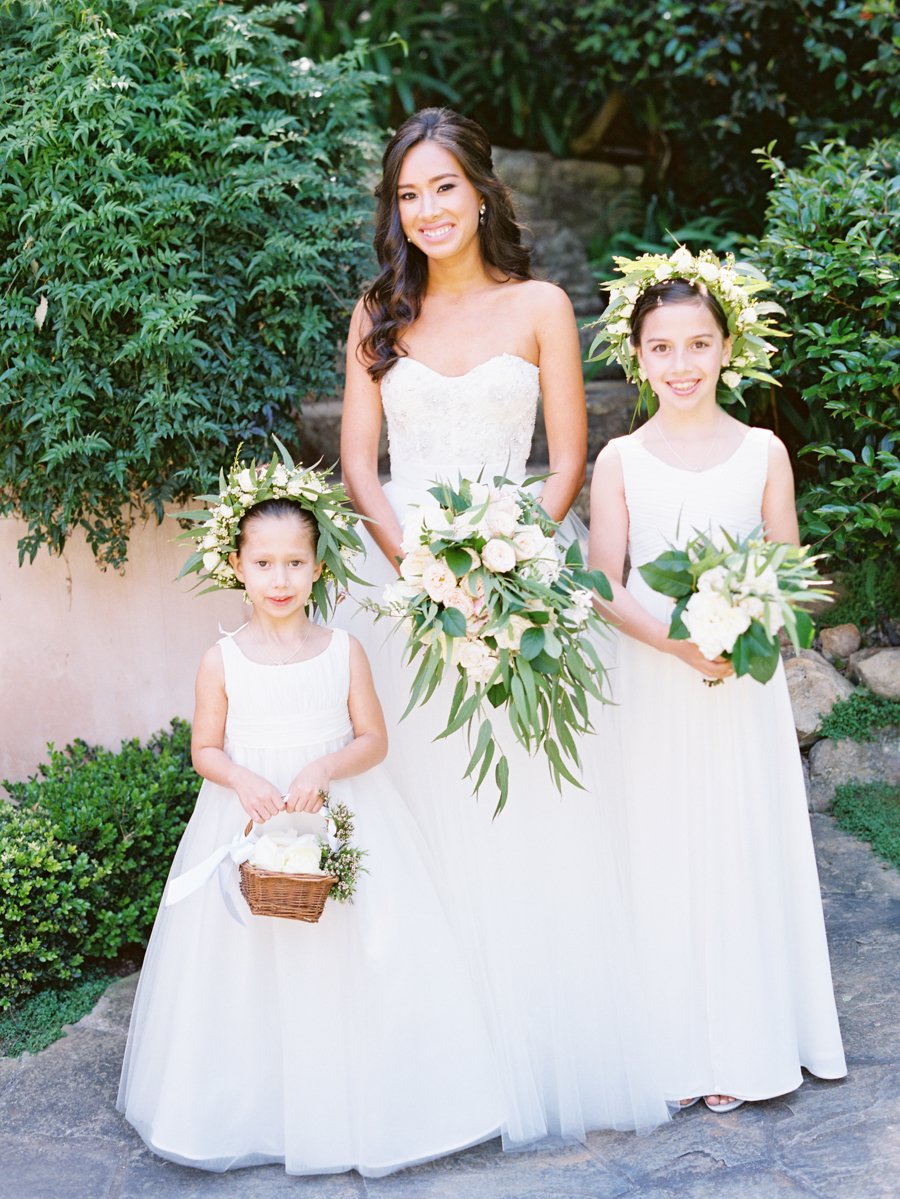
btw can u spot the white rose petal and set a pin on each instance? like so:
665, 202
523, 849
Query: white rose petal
498, 556
438, 580
211, 560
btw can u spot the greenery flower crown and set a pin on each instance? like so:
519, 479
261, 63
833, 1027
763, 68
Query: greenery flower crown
735, 285
247, 485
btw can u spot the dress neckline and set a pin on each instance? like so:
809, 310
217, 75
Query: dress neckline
683, 470
477, 367
281, 665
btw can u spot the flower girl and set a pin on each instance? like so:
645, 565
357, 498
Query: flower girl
726, 895
354, 1042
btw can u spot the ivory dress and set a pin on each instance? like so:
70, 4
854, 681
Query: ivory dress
535, 895
356, 1042
725, 888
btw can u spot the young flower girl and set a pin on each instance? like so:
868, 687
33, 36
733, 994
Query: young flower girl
726, 896
354, 1042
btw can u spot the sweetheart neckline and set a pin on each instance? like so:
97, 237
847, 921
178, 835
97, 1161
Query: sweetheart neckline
472, 369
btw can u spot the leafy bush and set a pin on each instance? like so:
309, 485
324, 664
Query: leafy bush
860, 716
868, 594
512, 67
180, 211
708, 82
36, 1022
871, 811
125, 811
832, 249
44, 907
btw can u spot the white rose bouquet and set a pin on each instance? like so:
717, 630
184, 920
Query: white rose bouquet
484, 592
735, 595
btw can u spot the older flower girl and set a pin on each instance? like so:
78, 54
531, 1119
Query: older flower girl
351, 1043
726, 895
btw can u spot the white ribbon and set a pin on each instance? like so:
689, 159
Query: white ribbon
192, 880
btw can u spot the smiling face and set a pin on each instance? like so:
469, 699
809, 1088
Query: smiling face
438, 206
682, 353
277, 563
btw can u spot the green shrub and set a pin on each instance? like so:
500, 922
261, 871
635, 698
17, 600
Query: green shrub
869, 594
45, 882
871, 811
180, 209
832, 249
125, 811
708, 82
860, 716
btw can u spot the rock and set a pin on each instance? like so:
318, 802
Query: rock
880, 672
840, 642
834, 762
855, 661
815, 687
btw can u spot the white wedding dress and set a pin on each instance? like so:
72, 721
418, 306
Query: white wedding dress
726, 895
535, 895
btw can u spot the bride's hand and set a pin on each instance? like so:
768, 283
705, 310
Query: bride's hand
710, 668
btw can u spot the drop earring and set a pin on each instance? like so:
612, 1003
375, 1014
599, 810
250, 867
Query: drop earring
481, 213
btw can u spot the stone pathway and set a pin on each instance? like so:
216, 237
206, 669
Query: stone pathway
61, 1137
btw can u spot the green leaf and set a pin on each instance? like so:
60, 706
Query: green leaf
755, 653
485, 734
453, 622
459, 560
532, 643
669, 574
678, 630
501, 778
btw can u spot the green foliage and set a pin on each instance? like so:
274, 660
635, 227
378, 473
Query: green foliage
38, 1021
126, 811
861, 716
180, 211
832, 250
708, 82
871, 811
512, 67
45, 882
869, 593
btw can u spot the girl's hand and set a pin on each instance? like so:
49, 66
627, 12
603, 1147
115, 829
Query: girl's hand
710, 668
259, 799
309, 790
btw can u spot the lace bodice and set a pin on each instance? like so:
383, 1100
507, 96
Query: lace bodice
484, 416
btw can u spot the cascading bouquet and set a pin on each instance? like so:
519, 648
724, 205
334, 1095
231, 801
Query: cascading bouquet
483, 593
736, 286
214, 528
734, 595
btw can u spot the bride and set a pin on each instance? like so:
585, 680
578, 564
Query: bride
454, 343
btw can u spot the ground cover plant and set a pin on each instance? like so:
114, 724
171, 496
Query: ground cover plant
871, 811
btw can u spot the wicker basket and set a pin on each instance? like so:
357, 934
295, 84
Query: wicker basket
293, 896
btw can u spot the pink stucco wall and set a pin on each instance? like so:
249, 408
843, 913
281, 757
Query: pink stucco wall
98, 655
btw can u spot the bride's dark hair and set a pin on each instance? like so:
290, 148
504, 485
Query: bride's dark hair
394, 300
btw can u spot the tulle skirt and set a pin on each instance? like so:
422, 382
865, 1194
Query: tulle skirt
535, 897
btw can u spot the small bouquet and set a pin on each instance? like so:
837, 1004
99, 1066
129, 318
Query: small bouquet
735, 595
483, 592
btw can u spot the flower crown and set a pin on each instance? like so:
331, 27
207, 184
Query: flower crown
215, 528
734, 285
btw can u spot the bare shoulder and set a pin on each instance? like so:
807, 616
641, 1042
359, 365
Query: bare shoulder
778, 452
212, 668
360, 321
358, 655
546, 300
609, 461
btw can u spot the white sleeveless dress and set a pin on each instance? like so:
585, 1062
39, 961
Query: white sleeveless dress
726, 894
352, 1043
535, 895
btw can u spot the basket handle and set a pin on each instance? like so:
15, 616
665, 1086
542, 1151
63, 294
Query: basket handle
250, 823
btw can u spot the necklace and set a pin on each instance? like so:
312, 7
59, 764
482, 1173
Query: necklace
296, 651
685, 464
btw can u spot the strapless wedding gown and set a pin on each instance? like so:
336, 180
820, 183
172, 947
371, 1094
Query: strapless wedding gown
535, 896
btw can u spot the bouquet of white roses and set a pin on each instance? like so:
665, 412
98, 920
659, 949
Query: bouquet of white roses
484, 593
735, 595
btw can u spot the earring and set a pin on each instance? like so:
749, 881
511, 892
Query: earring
481, 211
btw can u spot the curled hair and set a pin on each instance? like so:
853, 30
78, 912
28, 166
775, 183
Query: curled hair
278, 507
394, 300
675, 291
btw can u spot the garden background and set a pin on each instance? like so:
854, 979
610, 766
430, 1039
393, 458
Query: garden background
184, 198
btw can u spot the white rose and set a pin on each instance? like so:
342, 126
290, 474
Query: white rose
468, 653
498, 556
713, 623
211, 560
484, 670
439, 581
662, 272
529, 541
502, 517
246, 482
708, 272
280, 475
396, 597
731, 378
714, 580
682, 259
510, 637
461, 600
416, 562
753, 606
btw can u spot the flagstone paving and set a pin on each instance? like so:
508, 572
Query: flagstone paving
61, 1137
